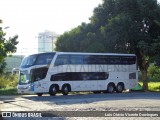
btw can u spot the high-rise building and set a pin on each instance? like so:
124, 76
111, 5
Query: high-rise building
46, 41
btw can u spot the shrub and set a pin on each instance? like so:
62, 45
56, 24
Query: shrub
8, 80
154, 73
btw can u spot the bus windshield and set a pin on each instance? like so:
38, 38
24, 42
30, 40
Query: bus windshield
28, 61
38, 59
24, 77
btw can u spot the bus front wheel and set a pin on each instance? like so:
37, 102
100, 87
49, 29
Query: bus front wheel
52, 90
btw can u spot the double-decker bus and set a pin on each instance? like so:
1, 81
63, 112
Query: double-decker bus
70, 71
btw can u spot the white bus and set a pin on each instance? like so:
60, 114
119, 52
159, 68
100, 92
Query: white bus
70, 71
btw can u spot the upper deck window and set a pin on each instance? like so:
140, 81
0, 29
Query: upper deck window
44, 59
128, 59
94, 59
62, 60
76, 59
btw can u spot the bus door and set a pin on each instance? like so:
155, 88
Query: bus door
38, 75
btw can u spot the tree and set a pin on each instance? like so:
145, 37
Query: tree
6, 47
121, 26
135, 28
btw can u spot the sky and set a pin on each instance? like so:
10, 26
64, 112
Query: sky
27, 18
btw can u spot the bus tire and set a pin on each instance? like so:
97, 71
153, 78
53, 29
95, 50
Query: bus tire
65, 89
53, 90
39, 94
119, 87
110, 88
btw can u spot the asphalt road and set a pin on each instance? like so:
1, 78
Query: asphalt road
134, 101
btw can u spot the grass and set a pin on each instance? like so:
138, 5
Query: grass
153, 86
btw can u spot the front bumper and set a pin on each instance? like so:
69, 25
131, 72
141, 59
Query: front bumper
23, 89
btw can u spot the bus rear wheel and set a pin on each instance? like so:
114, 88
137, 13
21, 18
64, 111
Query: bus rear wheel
65, 90
110, 88
119, 88
52, 90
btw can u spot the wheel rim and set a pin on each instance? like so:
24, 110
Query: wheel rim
119, 88
66, 89
110, 88
54, 89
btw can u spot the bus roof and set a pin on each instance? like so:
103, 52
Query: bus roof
85, 53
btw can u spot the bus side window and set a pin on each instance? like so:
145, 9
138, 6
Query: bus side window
59, 62
44, 59
76, 59
62, 60
132, 60
89, 59
129, 60
58, 77
114, 60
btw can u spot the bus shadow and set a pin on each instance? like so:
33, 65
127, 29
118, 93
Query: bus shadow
91, 98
